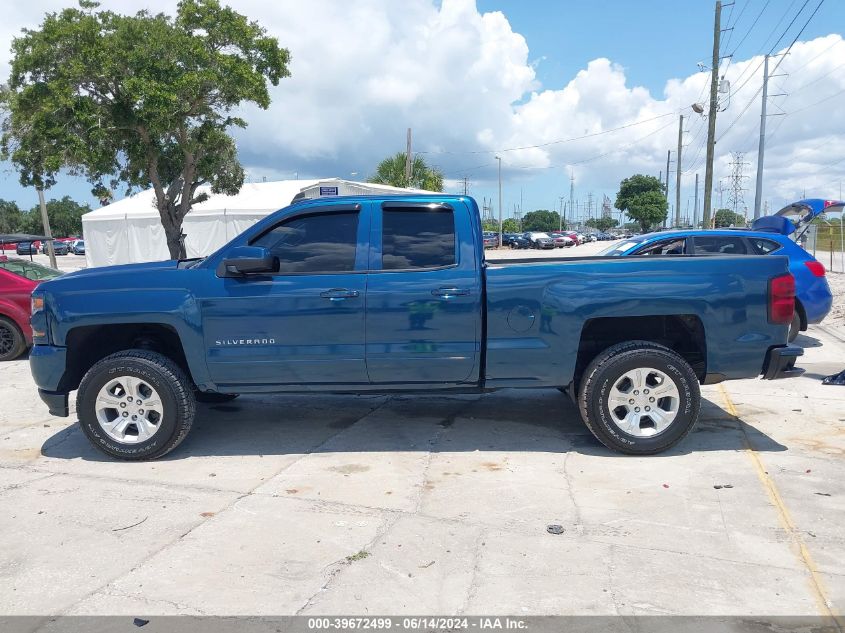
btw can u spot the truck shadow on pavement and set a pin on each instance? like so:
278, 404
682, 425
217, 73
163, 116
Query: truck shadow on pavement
505, 421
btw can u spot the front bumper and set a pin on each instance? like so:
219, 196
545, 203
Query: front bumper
780, 362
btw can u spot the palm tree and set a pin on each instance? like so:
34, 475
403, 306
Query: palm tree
391, 171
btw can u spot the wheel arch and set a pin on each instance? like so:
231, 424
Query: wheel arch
89, 344
683, 333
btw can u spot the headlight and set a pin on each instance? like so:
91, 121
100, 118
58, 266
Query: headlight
37, 303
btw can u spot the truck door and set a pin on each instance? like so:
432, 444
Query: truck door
305, 324
423, 295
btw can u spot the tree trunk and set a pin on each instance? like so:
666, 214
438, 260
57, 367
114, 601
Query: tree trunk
172, 233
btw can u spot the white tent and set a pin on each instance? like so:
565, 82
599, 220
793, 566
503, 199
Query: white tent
130, 230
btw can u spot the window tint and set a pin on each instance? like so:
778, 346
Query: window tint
323, 242
33, 271
764, 246
719, 245
666, 247
417, 238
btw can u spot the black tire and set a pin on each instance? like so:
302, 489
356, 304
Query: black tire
173, 387
794, 327
609, 367
12, 342
207, 397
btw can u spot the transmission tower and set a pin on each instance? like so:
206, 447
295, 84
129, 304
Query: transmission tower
737, 189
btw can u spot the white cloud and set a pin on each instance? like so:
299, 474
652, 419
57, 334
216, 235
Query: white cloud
364, 71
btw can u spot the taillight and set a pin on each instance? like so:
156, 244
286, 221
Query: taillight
781, 299
817, 268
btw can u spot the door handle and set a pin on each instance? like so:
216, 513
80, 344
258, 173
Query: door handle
338, 294
450, 292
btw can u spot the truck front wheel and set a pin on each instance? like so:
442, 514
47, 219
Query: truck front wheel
135, 405
639, 398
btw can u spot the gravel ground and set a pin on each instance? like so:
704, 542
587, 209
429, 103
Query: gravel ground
837, 313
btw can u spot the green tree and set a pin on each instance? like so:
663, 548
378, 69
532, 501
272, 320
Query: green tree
602, 224
725, 218
643, 199
541, 220
143, 100
10, 217
65, 217
391, 171
510, 225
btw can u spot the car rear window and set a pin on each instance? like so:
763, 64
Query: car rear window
764, 246
719, 245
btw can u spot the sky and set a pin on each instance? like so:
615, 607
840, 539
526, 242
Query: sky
568, 93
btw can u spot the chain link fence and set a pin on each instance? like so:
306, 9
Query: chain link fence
825, 239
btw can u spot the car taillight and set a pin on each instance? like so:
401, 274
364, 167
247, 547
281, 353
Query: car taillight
817, 268
781, 299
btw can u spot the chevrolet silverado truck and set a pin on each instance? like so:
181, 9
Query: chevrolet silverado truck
394, 294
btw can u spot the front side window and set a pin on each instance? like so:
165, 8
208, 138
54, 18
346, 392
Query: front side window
665, 247
317, 243
417, 238
719, 245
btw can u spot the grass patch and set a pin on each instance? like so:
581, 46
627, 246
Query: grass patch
361, 555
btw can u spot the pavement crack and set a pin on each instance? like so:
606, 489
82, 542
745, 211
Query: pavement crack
334, 569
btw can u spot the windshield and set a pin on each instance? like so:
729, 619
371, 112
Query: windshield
30, 270
539, 236
618, 249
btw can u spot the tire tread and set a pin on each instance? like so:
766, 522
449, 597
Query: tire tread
175, 377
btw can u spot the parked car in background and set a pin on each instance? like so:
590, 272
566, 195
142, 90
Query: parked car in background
59, 247
27, 248
573, 235
539, 240
518, 241
18, 278
813, 298
561, 240
78, 247
491, 240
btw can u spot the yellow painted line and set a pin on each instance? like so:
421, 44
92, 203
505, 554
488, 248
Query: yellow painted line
816, 582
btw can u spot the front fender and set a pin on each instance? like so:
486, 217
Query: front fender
175, 308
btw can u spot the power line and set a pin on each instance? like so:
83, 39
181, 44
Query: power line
780, 61
750, 28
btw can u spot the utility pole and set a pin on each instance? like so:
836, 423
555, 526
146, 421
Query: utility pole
668, 159
711, 116
560, 215
499, 158
695, 206
761, 148
678, 172
45, 220
572, 192
408, 160
465, 185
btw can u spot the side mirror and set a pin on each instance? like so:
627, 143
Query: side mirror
244, 260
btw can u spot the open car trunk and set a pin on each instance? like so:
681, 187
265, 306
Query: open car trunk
796, 218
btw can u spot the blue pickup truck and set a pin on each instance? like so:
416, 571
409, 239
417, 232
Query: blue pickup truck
393, 294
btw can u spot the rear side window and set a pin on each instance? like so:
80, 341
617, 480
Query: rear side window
764, 246
417, 238
665, 247
318, 243
719, 245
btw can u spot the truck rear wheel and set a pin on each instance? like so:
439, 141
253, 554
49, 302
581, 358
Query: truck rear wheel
135, 405
639, 398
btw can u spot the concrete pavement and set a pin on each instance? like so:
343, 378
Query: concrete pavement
433, 505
